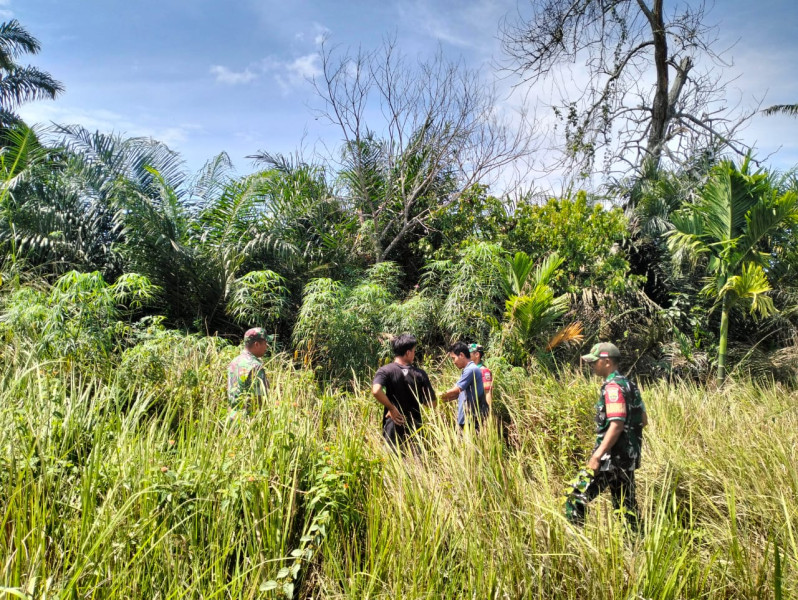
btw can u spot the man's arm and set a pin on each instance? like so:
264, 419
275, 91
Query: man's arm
396, 416
613, 433
261, 387
427, 392
451, 394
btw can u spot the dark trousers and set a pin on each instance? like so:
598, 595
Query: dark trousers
621, 484
397, 435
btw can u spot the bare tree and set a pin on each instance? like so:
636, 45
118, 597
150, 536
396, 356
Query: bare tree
416, 136
652, 91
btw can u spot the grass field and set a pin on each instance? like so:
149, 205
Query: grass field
124, 482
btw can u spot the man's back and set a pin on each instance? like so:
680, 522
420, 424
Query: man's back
407, 387
245, 377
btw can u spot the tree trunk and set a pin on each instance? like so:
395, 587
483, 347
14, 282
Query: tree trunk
724, 338
660, 106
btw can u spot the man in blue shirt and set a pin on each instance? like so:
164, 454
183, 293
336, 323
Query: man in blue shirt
469, 390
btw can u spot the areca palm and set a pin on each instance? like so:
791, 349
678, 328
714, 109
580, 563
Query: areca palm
20, 84
729, 224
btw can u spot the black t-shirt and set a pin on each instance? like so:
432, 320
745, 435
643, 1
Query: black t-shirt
406, 386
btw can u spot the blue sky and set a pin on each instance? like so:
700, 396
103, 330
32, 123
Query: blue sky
211, 76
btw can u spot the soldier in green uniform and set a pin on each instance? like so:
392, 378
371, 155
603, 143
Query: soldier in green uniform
620, 419
246, 380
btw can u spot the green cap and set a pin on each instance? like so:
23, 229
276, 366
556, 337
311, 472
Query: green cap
257, 334
602, 350
475, 348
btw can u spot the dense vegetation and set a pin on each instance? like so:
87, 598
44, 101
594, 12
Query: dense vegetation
126, 284
122, 481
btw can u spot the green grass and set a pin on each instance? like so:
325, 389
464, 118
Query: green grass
126, 483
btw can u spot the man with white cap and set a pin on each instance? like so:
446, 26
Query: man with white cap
620, 418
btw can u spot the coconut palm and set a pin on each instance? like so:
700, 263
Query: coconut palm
20, 84
729, 225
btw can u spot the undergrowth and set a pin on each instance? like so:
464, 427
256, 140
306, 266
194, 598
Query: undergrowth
127, 482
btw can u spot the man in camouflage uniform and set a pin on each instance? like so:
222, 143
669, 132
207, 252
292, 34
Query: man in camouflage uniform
246, 380
620, 418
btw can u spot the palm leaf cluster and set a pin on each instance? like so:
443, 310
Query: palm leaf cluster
104, 202
532, 309
20, 84
729, 227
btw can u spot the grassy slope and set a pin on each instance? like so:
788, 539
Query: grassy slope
129, 485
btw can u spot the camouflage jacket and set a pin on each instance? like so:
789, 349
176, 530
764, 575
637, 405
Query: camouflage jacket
620, 400
246, 380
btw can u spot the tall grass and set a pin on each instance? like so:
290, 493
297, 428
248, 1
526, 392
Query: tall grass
130, 484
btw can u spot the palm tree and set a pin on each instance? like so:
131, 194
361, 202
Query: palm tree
730, 222
20, 84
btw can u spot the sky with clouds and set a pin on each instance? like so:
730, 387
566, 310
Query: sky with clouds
206, 77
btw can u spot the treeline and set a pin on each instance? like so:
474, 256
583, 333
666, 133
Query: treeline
667, 266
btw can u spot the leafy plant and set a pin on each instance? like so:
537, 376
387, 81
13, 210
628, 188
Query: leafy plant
340, 327
78, 317
728, 226
532, 309
469, 289
258, 297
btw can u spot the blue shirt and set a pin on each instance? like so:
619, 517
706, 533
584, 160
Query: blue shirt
471, 400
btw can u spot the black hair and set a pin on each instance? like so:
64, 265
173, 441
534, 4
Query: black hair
402, 343
460, 348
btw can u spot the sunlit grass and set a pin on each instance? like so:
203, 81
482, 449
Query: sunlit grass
125, 484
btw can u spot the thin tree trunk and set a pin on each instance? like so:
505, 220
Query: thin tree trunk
724, 337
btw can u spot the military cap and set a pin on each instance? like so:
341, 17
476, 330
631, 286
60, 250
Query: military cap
602, 350
257, 334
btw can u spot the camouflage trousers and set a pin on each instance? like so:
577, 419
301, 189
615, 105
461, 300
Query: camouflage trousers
587, 485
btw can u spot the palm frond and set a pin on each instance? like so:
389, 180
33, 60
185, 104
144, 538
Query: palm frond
790, 110
103, 159
568, 335
14, 42
24, 84
516, 273
751, 284
772, 214
211, 181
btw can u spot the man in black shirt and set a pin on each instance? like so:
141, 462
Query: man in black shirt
401, 388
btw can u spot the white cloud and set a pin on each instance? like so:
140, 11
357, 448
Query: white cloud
464, 27
106, 121
305, 67
291, 75
322, 33
230, 77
